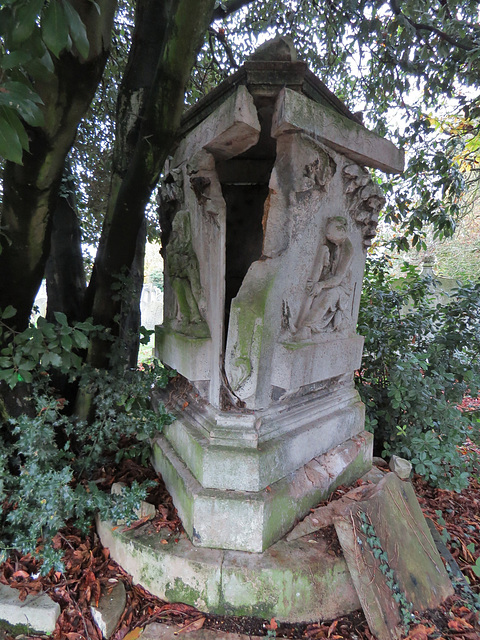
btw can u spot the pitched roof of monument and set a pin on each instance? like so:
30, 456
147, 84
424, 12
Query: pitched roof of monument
271, 67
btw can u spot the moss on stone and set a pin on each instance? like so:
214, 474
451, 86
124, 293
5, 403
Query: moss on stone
248, 311
18, 629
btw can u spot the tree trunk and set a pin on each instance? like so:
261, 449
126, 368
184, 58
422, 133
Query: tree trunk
153, 90
130, 316
64, 271
30, 190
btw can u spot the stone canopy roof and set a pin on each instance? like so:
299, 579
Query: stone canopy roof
269, 69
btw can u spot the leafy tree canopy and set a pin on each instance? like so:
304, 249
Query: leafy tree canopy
411, 68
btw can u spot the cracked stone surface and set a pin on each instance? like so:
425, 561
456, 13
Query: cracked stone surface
36, 612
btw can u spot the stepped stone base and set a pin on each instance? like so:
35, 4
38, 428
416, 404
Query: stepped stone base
254, 520
298, 581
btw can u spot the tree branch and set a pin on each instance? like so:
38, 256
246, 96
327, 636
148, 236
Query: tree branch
221, 38
419, 26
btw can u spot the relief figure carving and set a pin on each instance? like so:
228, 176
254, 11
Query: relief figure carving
329, 289
365, 200
184, 275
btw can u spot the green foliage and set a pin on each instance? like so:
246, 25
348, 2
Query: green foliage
38, 348
30, 31
156, 278
419, 361
48, 457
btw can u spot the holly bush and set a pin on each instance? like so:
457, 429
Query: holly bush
420, 358
48, 457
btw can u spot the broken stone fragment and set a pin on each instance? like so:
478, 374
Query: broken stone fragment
146, 510
109, 610
401, 467
35, 613
373, 476
280, 49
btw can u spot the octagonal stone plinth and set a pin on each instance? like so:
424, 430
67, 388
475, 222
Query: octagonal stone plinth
296, 582
253, 520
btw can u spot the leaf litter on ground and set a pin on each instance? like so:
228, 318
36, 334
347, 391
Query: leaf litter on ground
89, 570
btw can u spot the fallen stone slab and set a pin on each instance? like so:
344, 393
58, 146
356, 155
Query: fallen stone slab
323, 516
157, 631
36, 613
110, 608
393, 560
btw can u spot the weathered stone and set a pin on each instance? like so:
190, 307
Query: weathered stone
227, 132
158, 631
295, 112
110, 608
35, 613
146, 510
266, 218
392, 557
280, 48
402, 467
117, 488
294, 582
251, 521
250, 452
374, 476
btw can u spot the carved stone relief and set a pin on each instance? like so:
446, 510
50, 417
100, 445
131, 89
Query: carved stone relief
317, 167
365, 200
184, 276
328, 291
170, 199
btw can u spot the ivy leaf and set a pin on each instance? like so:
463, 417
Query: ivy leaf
51, 358
55, 27
80, 340
61, 318
77, 30
40, 67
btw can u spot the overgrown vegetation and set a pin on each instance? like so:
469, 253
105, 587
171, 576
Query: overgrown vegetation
49, 459
420, 359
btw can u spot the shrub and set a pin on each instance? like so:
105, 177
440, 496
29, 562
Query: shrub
420, 359
48, 458
156, 278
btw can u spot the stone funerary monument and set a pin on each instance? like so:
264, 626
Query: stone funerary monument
266, 214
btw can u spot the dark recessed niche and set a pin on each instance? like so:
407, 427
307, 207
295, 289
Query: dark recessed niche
245, 181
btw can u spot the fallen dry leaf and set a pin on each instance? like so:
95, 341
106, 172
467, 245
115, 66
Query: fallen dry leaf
459, 624
332, 628
195, 625
21, 574
420, 632
273, 625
